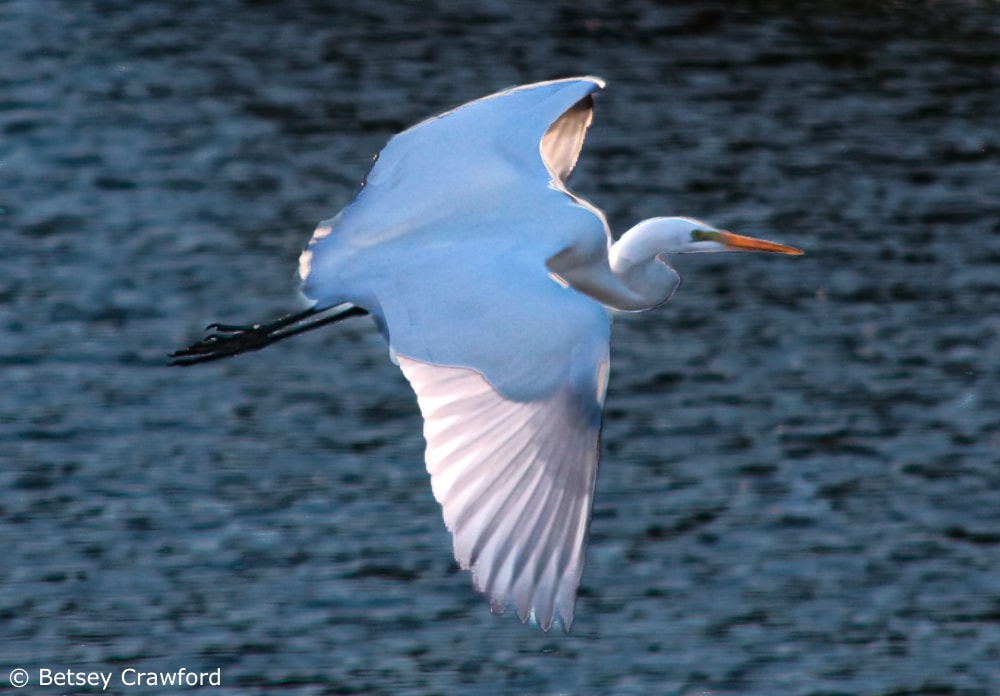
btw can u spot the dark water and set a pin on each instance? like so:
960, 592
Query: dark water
801, 484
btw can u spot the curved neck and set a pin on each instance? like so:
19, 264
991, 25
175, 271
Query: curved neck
630, 275
639, 267
638, 258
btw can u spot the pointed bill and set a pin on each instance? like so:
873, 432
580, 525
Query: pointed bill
742, 243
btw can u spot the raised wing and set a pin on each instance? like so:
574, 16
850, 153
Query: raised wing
489, 175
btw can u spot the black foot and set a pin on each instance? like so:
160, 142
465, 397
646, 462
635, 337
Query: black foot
228, 340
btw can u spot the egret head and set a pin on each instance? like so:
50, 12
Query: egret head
641, 258
683, 235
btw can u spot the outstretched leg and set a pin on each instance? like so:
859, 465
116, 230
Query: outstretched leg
227, 340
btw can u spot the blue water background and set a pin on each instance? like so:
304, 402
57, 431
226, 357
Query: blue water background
800, 491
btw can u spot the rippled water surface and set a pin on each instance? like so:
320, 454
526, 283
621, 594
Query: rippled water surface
801, 485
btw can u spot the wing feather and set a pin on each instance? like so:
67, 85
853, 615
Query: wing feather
515, 481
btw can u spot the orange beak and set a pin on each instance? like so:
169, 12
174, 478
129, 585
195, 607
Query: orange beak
738, 242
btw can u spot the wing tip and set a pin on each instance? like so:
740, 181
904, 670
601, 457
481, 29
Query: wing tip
529, 612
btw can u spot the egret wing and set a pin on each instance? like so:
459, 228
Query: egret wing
515, 479
446, 245
509, 368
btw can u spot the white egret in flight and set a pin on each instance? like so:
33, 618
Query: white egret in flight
491, 283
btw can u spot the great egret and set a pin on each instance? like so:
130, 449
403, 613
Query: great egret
491, 283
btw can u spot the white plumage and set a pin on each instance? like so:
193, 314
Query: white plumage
490, 281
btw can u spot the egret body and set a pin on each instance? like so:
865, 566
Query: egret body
491, 283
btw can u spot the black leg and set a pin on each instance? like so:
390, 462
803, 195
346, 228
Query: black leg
228, 340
